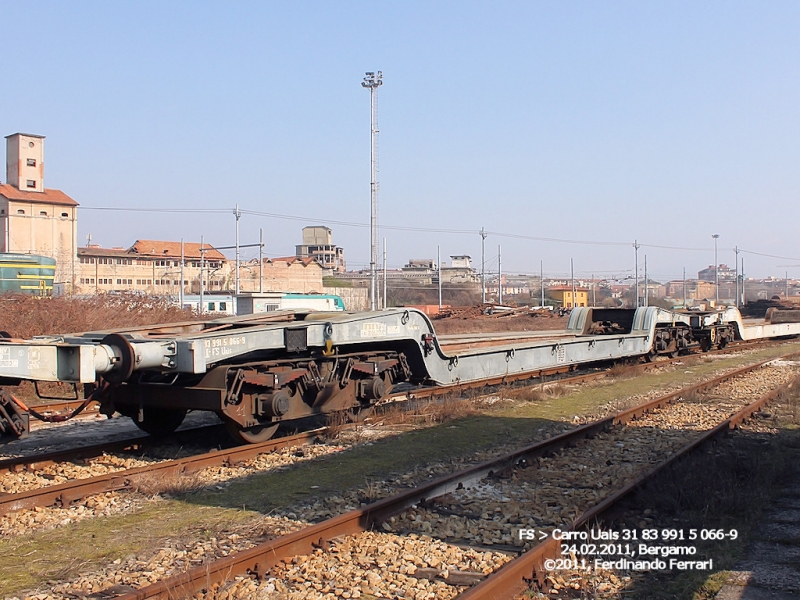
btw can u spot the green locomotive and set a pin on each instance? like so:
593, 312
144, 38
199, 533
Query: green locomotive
27, 274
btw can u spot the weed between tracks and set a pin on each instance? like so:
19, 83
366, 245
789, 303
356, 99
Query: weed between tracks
169, 485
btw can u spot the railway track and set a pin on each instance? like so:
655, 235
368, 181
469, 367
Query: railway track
116, 476
330, 537
408, 395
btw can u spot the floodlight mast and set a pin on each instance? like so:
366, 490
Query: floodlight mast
371, 82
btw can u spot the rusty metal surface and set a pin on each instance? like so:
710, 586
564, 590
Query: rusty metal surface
513, 578
38, 461
66, 493
62, 406
259, 559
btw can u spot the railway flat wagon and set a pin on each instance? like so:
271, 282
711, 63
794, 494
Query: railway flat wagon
257, 371
27, 274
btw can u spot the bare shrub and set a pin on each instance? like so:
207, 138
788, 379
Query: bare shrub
26, 316
622, 370
447, 408
336, 422
555, 390
528, 394
395, 414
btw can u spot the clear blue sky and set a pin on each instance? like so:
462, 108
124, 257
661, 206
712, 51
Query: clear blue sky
597, 121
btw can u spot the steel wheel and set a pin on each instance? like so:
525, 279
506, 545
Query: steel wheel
251, 435
160, 421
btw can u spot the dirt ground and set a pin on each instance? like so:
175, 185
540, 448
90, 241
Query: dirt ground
495, 323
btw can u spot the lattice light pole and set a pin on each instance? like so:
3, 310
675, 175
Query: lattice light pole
371, 82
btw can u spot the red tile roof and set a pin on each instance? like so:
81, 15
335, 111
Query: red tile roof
293, 259
45, 197
98, 251
173, 249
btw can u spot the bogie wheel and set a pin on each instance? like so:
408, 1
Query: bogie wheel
251, 435
160, 421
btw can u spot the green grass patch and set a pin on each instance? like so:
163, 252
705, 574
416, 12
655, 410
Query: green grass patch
62, 554
586, 399
354, 467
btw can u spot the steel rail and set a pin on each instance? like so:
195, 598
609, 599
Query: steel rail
58, 406
64, 494
70, 492
35, 462
258, 560
514, 577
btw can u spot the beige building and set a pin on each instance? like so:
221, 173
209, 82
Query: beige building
696, 289
33, 219
154, 267
318, 244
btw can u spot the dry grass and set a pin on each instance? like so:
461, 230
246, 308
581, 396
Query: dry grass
694, 397
336, 423
623, 370
537, 393
169, 485
429, 411
27, 316
447, 408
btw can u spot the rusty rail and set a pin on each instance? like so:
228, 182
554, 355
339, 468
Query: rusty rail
258, 560
513, 578
67, 493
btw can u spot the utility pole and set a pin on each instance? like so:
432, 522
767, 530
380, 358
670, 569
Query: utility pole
736, 250
787, 285
499, 277
541, 280
636, 269
439, 267
716, 271
238, 215
183, 260
646, 290
202, 267
572, 282
594, 295
483, 266
260, 260
372, 82
744, 296
385, 297
684, 287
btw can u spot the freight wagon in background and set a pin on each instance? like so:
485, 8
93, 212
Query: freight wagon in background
27, 274
253, 304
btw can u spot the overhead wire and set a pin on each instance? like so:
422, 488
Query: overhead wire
500, 234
